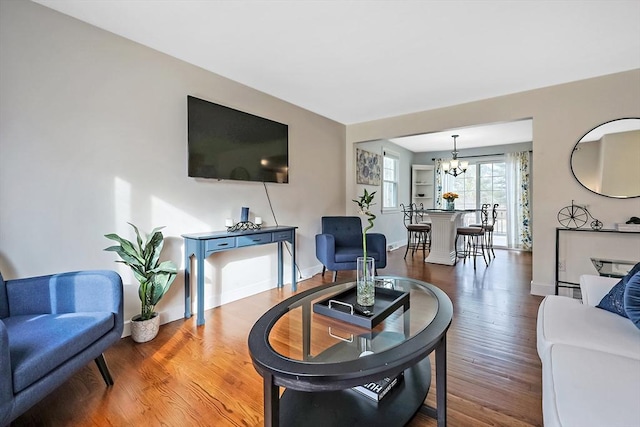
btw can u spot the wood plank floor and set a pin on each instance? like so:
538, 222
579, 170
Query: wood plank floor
191, 376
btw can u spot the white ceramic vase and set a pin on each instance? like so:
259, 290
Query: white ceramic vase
145, 330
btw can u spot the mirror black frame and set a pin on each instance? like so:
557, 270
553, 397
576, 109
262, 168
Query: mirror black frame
573, 151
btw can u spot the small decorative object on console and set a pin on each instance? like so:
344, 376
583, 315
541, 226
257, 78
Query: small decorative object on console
632, 225
245, 225
576, 216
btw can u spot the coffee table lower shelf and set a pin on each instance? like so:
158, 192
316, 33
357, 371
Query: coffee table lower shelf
348, 408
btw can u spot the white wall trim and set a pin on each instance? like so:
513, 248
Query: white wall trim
542, 289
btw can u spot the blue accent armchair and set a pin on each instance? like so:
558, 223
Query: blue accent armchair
341, 243
50, 327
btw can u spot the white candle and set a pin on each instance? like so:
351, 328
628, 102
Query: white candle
228, 222
258, 220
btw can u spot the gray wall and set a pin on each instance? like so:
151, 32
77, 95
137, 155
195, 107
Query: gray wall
389, 223
93, 134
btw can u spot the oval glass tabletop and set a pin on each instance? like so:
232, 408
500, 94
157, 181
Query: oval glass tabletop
301, 334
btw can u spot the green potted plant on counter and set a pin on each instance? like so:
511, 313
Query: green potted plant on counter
154, 278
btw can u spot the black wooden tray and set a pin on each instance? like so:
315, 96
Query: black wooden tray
387, 301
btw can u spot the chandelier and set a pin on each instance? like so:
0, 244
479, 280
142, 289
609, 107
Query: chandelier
455, 167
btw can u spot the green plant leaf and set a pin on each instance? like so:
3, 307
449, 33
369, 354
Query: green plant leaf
138, 238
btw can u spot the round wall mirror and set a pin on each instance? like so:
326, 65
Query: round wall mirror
606, 160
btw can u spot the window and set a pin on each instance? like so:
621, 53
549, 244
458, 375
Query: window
493, 183
389, 181
465, 187
484, 182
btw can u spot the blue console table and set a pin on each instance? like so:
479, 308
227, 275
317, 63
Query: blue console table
201, 245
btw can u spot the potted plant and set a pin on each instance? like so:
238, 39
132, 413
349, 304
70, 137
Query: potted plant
154, 277
365, 266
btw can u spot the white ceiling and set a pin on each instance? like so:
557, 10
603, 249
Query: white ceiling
470, 137
355, 61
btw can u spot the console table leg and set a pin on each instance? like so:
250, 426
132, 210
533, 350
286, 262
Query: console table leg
294, 284
280, 267
441, 381
200, 280
187, 284
271, 402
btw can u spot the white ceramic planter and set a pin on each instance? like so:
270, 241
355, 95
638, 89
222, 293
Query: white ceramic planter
145, 330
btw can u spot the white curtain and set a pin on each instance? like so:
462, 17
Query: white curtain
518, 200
439, 183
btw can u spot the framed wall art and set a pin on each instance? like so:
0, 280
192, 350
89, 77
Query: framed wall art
368, 167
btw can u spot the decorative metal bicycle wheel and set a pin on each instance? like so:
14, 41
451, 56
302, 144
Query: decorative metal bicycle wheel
573, 216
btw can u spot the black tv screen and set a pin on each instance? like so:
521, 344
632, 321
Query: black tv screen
224, 143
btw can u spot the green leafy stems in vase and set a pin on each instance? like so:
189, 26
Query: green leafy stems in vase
365, 266
364, 203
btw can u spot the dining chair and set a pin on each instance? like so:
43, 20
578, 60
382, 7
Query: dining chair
473, 239
418, 231
488, 224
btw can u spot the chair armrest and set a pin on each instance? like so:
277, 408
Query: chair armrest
326, 248
81, 291
6, 381
594, 288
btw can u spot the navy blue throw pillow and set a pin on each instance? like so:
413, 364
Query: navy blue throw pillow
614, 300
632, 299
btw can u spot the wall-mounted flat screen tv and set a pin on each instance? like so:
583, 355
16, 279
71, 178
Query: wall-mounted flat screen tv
224, 143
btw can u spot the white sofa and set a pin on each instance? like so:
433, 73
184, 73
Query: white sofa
590, 360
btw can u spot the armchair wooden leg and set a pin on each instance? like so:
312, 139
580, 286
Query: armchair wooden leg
335, 275
104, 370
324, 268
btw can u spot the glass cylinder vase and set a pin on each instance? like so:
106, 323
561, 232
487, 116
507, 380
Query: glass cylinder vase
365, 280
451, 205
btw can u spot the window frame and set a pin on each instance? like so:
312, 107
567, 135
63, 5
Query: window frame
395, 183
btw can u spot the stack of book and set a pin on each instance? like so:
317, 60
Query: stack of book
376, 390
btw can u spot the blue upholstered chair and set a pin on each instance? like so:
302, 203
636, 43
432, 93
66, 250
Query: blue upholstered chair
340, 244
50, 327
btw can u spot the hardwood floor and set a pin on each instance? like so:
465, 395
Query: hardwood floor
191, 376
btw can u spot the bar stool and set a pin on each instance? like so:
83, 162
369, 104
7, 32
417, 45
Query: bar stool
472, 244
418, 232
488, 226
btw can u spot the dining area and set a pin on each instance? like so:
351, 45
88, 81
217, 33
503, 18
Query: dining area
445, 236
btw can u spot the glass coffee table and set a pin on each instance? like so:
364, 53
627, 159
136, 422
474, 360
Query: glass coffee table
318, 358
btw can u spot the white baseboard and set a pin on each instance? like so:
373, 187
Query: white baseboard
395, 245
542, 289
176, 313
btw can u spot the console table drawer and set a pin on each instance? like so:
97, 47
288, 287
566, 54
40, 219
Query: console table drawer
219, 244
279, 236
255, 239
